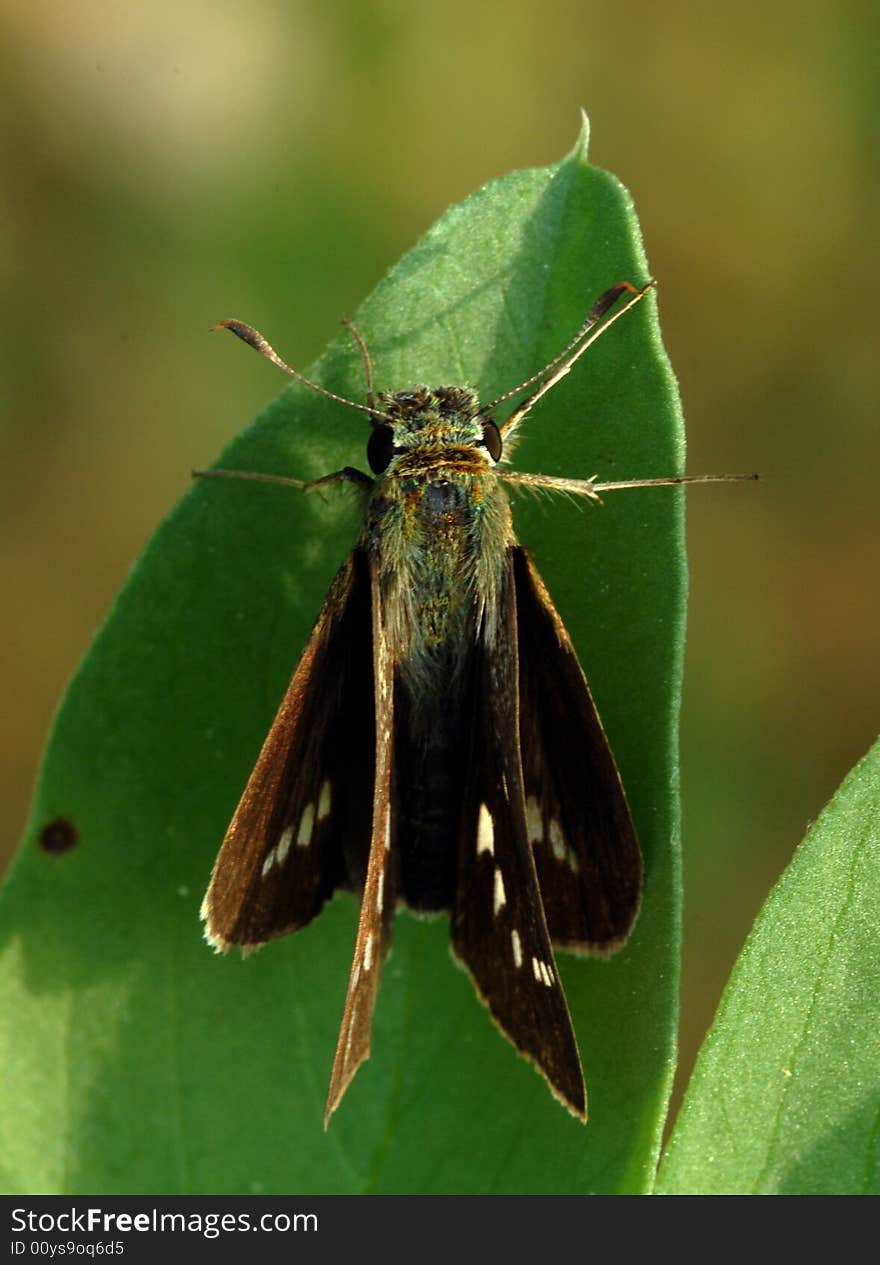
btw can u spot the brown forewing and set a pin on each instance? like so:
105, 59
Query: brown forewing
379, 892
498, 927
301, 828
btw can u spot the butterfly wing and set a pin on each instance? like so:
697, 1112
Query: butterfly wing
379, 895
579, 826
499, 931
302, 828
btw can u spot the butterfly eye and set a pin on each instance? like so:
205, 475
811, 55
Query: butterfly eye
492, 440
380, 449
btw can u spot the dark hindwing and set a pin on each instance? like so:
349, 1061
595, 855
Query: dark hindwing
379, 889
498, 927
301, 828
579, 826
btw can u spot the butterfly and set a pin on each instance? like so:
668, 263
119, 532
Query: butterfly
438, 745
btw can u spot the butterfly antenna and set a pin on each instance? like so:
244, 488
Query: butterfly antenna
562, 363
255, 339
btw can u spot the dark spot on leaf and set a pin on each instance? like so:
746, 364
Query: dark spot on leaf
59, 836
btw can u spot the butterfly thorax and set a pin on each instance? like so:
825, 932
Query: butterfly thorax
437, 525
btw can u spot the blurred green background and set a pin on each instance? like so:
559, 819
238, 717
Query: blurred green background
166, 165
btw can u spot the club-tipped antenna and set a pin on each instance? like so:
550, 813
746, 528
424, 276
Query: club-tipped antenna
255, 339
562, 363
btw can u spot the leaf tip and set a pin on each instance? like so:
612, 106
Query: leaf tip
582, 144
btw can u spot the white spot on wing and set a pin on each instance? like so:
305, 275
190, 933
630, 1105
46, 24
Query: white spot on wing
306, 826
282, 847
485, 832
368, 952
500, 897
348, 1038
268, 863
534, 824
380, 890
387, 830
557, 839
542, 972
517, 947
324, 800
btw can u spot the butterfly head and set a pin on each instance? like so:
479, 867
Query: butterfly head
428, 426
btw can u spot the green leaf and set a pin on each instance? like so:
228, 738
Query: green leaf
785, 1097
134, 1059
